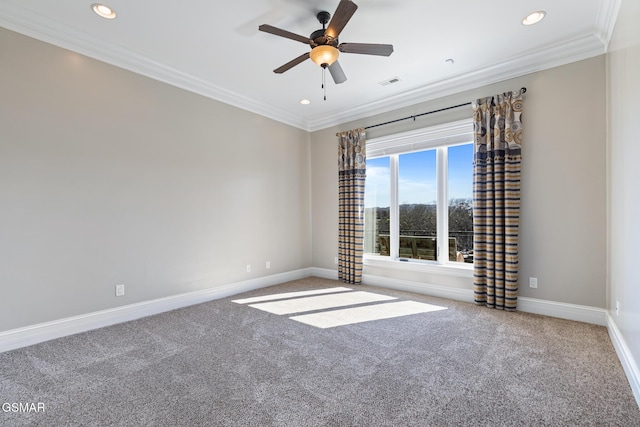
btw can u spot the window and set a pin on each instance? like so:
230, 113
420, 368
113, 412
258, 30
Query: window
418, 195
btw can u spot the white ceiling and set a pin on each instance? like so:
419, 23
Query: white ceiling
215, 48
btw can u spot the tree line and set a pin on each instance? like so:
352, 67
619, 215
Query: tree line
420, 220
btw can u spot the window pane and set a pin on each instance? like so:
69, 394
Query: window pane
460, 188
376, 207
417, 199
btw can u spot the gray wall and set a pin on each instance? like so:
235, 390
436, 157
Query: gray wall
108, 177
623, 69
563, 218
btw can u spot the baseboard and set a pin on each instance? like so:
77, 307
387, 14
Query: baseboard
22, 337
440, 291
402, 285
580, 313
324, 273
629, 364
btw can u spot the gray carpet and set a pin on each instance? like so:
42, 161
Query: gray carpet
227, 364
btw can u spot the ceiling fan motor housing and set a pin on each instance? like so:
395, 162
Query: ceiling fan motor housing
318, 37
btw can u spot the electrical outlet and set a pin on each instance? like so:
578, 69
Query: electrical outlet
119, 290
335, 260
533, 282
268, 265
617, 308
248, 268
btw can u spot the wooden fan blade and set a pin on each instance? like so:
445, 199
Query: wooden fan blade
292, 63
366, 48
336, 72
342, 15
283, 33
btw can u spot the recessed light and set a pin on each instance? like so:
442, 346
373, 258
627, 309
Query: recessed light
305, 102
534, 17
103, 11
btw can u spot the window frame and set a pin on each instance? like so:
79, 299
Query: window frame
438, 137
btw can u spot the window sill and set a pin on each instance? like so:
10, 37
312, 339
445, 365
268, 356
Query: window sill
448, 269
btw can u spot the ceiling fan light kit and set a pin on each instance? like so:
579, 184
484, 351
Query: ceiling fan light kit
324, 44
324, 55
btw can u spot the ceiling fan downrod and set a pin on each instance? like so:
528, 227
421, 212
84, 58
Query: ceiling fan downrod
323, 17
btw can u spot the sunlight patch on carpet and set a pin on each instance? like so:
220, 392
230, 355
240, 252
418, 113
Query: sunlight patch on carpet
290, 295
349, 316
339, 306
320, 302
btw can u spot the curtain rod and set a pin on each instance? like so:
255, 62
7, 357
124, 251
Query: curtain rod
524, 90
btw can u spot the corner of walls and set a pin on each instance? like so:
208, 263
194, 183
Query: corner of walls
324, 273
623, 207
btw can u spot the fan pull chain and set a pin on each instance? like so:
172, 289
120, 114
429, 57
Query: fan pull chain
324, 86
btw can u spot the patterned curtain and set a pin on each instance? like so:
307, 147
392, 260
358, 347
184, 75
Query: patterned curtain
496, 199
351, 180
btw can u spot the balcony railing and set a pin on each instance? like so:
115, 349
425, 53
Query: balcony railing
423, 247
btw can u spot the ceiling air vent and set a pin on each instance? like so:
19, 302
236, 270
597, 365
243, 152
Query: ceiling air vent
389, 81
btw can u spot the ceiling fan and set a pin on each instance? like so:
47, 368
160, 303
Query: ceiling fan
325, 47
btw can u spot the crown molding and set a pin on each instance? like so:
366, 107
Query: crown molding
34, 25
574, 50
606, 20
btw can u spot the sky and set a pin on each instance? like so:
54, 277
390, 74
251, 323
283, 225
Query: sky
417, 178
